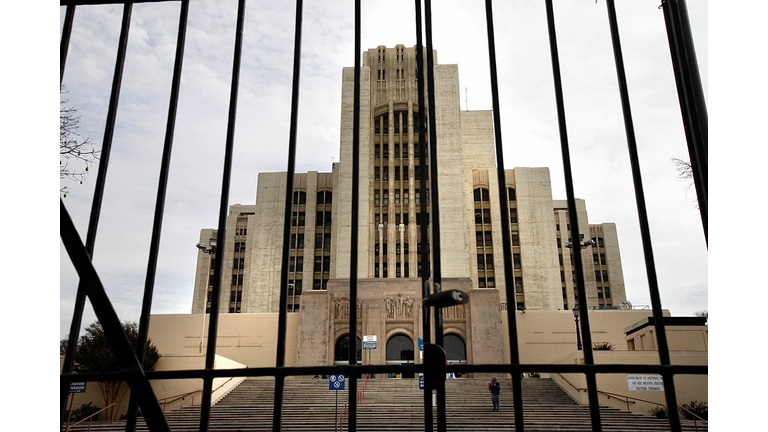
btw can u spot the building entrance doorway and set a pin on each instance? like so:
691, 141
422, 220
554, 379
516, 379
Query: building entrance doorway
455, 351
341, 351
400, 352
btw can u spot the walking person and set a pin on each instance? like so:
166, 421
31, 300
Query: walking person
495, 389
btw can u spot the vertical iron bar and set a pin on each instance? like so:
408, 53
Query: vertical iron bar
146, 307
213, 322
661, 336
594, 406
110, 323
691, 97
98, 196
437, 277
66, 33
352, 355
277, 408
509, 276
425, 310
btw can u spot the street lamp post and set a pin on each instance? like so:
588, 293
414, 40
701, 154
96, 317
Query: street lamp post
578, 332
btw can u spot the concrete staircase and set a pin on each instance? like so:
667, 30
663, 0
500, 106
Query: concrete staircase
397, 405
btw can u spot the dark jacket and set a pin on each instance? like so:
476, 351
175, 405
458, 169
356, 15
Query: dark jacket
496, 388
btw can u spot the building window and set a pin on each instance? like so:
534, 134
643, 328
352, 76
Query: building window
512, 194
513, 215
299, 197
517, 261
325, 197
515, 238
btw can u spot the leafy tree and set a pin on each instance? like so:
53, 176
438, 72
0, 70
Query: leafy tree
94, 355
76, 152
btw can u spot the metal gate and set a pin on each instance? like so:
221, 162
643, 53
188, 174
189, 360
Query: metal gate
694, 116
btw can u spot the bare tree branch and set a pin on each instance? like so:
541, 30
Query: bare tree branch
77, 154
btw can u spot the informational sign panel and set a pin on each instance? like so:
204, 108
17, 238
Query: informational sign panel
421, 344
369, 342
336, 382
421, 382
645, 382
77, 387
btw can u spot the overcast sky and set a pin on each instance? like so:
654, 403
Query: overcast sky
600, 161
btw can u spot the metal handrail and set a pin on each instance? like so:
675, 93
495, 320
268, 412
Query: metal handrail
360, 396
170, 399
627, 401
90, 417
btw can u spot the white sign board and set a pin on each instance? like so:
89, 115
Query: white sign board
369, 338
645, 382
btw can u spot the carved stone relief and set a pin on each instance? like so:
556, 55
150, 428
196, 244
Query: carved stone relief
454, 312
341, 308
399, 306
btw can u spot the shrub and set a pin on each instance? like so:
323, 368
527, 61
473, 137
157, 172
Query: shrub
603, 346
84, 411
659, 412
695, 407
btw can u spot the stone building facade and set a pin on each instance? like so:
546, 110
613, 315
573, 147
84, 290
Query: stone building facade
389, 255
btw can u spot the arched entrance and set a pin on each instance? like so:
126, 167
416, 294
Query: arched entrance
341, 351
455, 350
400, 351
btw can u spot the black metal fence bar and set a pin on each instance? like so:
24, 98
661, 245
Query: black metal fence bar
213, 324
426, 315
661, 336
354, 228
121, 347
66, 33
691, 96
162, 186
433, 195
574, 221
284, 275
98, 196
514, 348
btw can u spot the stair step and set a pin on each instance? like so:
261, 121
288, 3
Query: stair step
397, 405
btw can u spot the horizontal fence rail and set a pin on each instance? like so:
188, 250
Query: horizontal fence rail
694, 118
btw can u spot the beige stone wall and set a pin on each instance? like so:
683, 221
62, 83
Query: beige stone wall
689, 338
538, 242
687, 387
250, 339
546, 336
343, 193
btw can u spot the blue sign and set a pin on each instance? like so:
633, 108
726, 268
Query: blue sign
421, 344
369, 344
77, 387
336, 382
421, 382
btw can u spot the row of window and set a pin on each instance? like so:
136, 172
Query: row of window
382, 173
323, 197
322, 218
381, 123
382, 151
482, 194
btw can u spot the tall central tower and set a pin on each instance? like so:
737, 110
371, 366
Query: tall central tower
390, 163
